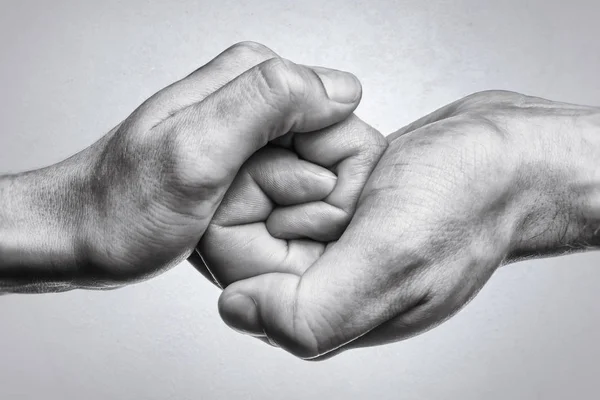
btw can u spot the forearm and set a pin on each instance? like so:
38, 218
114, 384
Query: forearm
40, 215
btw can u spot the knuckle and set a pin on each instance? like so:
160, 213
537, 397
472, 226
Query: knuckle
482, 128
249, 50
363, 139
335, 225
471, 127
271, 166
189, 172
280, 78
489, 95
378, 139
376, 143
489, 98
339, 222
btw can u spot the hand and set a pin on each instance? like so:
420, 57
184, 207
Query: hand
147, 191
281, 211
178, 154
485, 181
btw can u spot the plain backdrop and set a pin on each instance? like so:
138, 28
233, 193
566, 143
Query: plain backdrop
72, 69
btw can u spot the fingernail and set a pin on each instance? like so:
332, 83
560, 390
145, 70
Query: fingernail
241, 313
341, 87
320, 171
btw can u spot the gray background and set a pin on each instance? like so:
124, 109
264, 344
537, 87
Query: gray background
71, 70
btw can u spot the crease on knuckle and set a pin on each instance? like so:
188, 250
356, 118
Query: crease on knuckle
281, 83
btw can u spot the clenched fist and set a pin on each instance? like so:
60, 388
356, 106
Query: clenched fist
288, 204
139, 200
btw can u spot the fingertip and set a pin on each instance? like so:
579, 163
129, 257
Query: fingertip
320, 172
287, 180
316, 220
319, 183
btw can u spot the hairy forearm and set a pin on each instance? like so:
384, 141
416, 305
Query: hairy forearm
40, 215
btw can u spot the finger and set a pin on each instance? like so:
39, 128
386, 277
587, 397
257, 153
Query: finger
266, 102
338, 299
241, 252
272, 176
219, 134
316, 220
205, 80
351, 149
237, 241
368, 277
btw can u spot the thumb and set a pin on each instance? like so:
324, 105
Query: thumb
330, 305
303, 316
264, 306
369, 276
265, 102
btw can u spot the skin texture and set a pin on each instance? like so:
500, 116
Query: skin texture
253, 165
485, 181
277, 215
138, 201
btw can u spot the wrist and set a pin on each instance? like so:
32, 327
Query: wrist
587, 187
559, 185
41, 223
